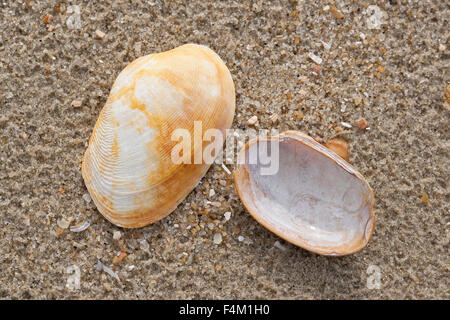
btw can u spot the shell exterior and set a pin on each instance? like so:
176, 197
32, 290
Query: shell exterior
339, 146
316, 200
127, 167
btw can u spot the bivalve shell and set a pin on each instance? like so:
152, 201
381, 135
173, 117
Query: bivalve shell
127, 167
315, 199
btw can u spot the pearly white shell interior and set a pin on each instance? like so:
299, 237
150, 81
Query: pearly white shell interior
315, 198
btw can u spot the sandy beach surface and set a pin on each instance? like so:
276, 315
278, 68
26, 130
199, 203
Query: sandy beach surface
318, 65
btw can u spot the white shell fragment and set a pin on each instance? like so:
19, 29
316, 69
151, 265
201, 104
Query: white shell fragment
117, 235
100, 266
81, 227
63, 223
279, 246
316, 200
226, 169
315, 58
217, 239
376, 17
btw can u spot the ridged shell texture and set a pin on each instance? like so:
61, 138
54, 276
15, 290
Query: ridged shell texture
127, 167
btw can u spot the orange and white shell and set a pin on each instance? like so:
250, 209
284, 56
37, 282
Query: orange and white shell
127, 167
315, 199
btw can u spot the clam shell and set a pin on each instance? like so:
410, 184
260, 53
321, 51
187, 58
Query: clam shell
316, 200
127, 167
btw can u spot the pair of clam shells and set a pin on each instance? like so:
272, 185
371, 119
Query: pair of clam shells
316, 200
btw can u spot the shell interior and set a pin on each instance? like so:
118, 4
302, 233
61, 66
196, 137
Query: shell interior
315, 200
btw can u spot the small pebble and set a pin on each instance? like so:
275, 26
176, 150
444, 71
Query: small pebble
107, 286
48, 19
288, 95
87, 197
442, 47
361, 123
298, 114
336, 13
223, 183
99, 34
216, 204
253, 120
74, 21
424, 197
376, 18
117, 235
99, 266
63, 223
144, 245
119, 257
414, 278
217, 238
76, 103
241, 238
211, 193
227, 215
326, 46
